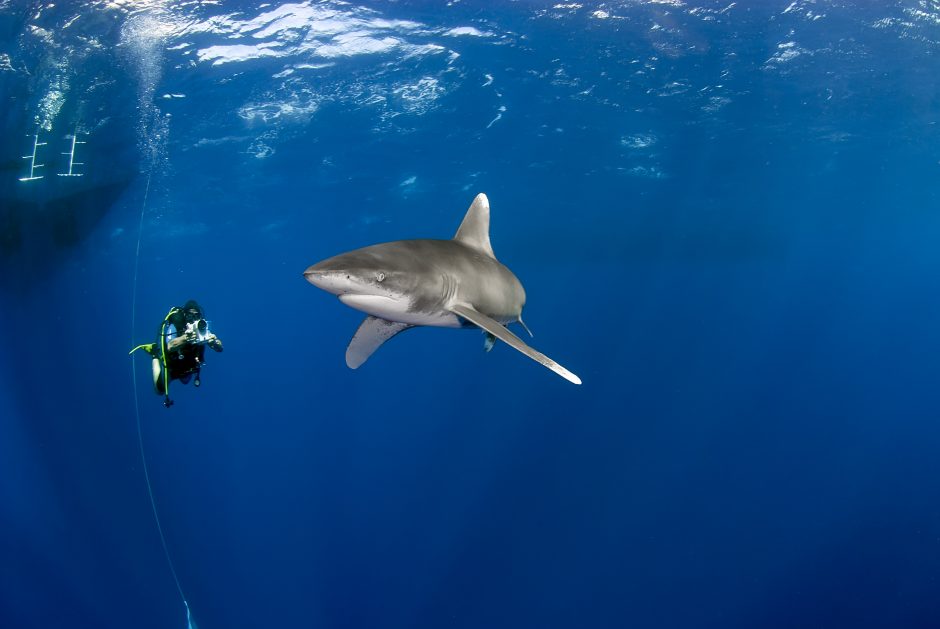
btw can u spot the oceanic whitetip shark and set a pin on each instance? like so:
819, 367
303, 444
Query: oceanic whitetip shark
445, 283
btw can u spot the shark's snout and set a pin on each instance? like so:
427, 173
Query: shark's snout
443, 283
329, 279
359, 289
339, 277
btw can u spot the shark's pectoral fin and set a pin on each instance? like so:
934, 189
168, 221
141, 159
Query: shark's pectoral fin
503, 334
489, 341
372, 332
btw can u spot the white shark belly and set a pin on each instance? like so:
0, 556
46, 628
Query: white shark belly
399, 310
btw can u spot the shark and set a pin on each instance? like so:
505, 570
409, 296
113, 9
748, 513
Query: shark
456, 283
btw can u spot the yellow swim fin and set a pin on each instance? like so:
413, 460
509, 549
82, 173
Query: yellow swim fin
147, 347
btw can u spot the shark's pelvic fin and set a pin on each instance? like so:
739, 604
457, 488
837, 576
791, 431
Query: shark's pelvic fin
372, 332
489, 341
503, 334
474, 231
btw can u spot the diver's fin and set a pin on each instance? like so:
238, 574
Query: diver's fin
474, 231
503, 334
489, 341
372, 332
147, 347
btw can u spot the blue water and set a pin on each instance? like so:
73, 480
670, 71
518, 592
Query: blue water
725, 218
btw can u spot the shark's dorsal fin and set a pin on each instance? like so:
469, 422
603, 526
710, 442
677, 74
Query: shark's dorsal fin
474, 231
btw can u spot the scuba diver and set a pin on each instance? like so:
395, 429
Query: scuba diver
180, 347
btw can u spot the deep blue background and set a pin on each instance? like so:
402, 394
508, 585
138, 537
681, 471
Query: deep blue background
736, 251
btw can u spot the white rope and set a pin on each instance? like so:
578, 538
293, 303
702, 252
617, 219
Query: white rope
140, 438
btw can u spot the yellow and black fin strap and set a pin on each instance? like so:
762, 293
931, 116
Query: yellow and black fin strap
147, 347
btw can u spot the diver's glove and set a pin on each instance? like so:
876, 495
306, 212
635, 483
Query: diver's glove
214, 342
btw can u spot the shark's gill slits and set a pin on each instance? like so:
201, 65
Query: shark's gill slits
448, 288
488, 290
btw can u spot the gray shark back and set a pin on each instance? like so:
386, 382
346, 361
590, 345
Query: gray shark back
437, 273
445, 283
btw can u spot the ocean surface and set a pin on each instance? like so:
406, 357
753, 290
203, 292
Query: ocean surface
725, 216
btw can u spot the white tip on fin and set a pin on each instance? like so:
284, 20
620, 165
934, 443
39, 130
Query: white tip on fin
474, 231
512, 340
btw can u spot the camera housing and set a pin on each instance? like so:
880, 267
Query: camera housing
199, 328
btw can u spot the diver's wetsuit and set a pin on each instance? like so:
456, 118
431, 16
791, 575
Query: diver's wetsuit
179, 352
187, 359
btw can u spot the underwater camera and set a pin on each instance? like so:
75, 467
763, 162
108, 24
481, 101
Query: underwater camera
200, 328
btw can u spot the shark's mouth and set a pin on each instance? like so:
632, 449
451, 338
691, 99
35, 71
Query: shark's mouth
377, 305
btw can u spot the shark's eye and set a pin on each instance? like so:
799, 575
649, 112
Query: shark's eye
379, 276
